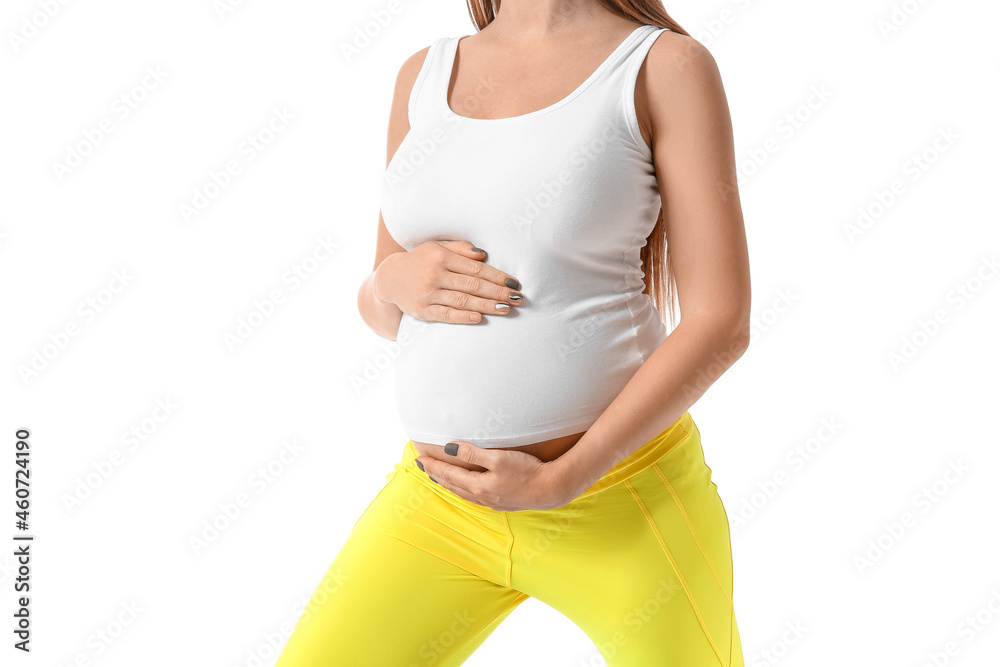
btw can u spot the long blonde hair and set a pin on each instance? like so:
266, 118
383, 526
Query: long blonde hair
658, 276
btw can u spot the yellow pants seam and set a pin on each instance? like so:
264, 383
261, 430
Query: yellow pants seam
677, 570
510, 547
732, 616
687, 520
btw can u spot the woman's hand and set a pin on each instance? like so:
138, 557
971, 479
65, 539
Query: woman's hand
513, 480
445, 281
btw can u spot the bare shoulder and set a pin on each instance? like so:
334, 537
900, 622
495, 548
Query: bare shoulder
408, 72
679, 78
399, 117
677, 58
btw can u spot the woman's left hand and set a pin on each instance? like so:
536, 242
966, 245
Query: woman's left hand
512, 480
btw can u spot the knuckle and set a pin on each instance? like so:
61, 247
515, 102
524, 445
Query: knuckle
470, 284
436, 313
438, 276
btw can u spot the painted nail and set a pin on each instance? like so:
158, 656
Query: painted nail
503, 306
419, 465
513, 284
451, 449
478, 250
515, 296
434, 480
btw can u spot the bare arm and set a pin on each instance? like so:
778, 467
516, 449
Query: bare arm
684, 110
380, 315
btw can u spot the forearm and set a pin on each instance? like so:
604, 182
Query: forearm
670, 381
380, 315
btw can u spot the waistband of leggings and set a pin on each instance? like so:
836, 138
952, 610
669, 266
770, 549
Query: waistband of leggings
646, 455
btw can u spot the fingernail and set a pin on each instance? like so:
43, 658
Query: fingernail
478, 250
419, 465
515, 296
513, 284
503, 306
433, 480
451, 448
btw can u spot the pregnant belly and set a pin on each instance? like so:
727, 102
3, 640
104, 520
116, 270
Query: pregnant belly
524, 381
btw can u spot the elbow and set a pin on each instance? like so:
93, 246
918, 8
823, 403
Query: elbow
739, 339
737, 328
733, 338
729, 331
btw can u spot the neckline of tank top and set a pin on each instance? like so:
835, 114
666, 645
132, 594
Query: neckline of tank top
449, 65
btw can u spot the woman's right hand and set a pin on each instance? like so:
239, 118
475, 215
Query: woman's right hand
445, 281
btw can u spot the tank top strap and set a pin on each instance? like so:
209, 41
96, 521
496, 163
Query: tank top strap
631, 52
431, 84
625, 75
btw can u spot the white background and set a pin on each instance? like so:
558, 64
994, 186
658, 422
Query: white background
830, 310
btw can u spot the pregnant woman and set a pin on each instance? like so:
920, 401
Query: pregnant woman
538, 171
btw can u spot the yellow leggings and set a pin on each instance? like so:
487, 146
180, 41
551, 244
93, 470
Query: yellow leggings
641, 562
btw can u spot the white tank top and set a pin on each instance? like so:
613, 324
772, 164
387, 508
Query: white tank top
562, 198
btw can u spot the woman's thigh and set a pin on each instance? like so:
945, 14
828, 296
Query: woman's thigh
643, 567
391, 596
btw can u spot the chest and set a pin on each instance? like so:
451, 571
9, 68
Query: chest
555, 180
